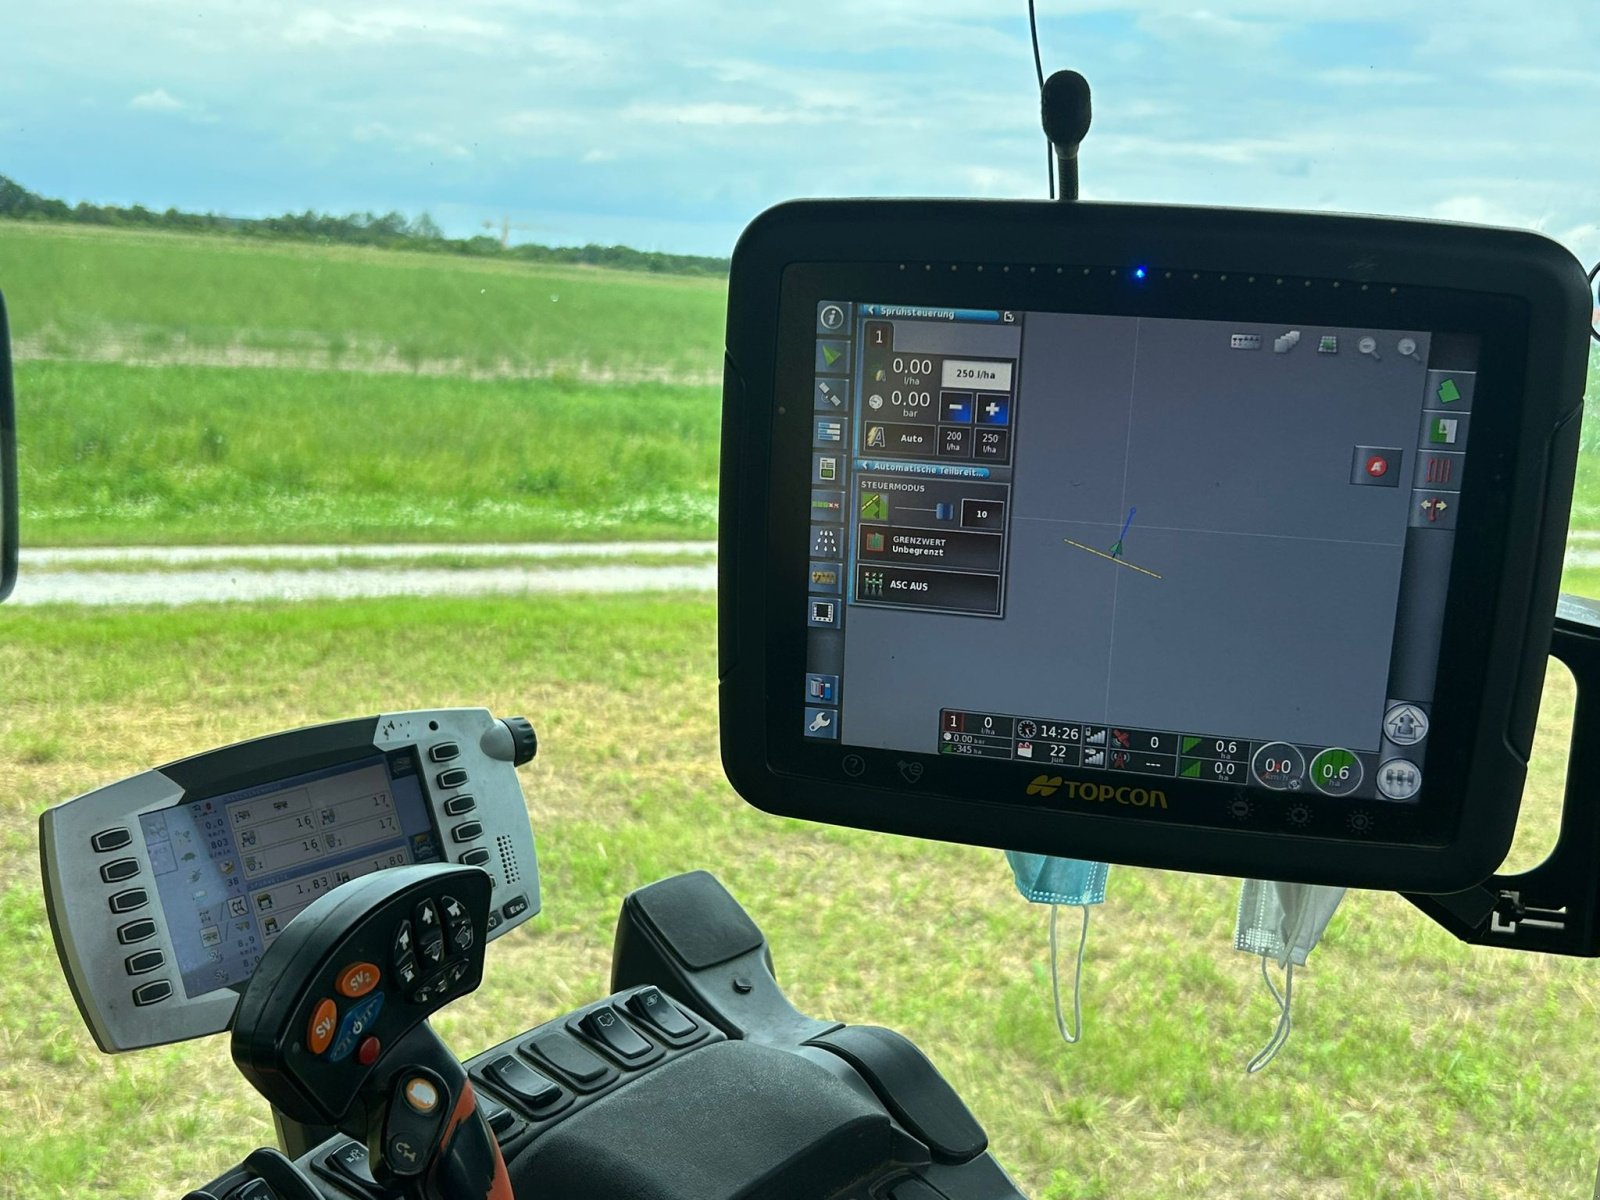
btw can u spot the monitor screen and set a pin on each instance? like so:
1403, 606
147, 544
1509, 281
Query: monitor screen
232, 870
1214, 540
1144, 547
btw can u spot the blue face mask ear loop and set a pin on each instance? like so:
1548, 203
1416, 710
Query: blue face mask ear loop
1077, 978
1285, 1022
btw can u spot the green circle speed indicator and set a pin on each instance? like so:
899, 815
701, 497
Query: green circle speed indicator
1336, 772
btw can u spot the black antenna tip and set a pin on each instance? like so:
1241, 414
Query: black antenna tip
1065, 112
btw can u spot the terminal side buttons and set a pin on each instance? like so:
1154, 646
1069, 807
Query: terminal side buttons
459, 805
153, 992
444, 752
144, 962
136, 931
453, 778
476, 857
108, 840
122, 868
129, 901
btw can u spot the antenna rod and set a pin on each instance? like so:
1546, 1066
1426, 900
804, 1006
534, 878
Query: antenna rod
1064, 112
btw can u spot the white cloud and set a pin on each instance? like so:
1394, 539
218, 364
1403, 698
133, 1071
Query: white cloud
1479, 210
1549, 76
159, 100
713, 112
380, 25
1373, 77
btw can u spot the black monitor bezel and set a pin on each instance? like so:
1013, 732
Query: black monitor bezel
1514, 291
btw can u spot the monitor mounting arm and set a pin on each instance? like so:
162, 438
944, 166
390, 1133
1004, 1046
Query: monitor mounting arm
1553, 908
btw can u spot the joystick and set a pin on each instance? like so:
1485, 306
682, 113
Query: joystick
333, 1026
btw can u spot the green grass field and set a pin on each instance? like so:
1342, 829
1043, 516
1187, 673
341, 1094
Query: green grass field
77, 292
175, 389
186, 454
1418, 1067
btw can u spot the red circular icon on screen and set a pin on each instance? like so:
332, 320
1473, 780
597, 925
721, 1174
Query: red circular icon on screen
1377, 466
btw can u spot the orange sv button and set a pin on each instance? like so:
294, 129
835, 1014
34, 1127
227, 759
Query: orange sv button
319, 1031
357, 979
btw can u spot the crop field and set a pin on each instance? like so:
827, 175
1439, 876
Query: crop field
200, 391
175, 389
180, 389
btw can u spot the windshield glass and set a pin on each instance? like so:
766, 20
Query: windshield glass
368, 358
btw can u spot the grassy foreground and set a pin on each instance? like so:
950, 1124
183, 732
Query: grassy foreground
184, 454
1418, 1067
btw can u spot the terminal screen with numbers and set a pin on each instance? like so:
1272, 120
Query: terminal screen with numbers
232, 870
1156, 548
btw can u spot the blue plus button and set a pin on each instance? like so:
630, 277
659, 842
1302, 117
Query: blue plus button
994, 409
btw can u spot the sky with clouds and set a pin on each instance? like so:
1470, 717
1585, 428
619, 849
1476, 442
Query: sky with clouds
669, 125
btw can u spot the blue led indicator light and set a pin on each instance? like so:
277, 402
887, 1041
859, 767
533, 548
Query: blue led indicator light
1138, 272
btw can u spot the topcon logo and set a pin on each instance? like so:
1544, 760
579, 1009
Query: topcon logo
1044, 785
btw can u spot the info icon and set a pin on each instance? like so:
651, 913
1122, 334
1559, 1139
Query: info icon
832, 317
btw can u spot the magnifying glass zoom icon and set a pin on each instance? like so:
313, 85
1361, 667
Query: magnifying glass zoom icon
1369, 347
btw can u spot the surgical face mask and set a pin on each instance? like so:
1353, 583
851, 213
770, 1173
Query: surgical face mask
1046, 879
1282, 922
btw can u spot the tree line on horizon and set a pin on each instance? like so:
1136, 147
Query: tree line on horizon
392, 230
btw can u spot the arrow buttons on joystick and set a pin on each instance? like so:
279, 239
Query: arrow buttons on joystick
430, 938
460, 925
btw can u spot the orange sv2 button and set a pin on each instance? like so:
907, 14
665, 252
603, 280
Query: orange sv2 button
319, 1031
357, 979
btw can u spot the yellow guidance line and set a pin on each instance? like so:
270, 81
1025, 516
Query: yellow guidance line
1108, 558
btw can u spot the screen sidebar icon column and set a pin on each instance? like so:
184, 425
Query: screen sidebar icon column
830, 450
1434, 508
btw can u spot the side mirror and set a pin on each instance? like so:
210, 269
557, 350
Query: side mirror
8, 463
